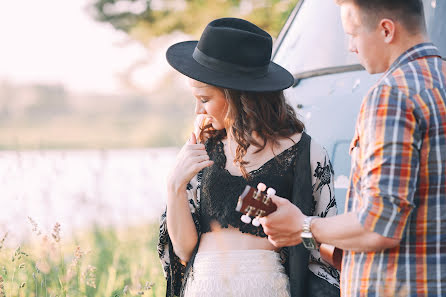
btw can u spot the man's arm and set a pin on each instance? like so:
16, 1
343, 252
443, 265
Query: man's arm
389, 163
345, 232
284, 227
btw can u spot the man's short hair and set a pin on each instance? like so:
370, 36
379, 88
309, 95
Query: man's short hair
409, 13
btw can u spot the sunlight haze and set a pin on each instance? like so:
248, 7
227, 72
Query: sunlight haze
57, 42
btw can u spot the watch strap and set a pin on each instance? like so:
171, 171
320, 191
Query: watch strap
306, 226
307, 237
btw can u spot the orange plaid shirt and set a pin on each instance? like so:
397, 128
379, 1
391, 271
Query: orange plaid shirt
398, 180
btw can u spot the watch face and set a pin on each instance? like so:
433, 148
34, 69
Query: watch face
308, 241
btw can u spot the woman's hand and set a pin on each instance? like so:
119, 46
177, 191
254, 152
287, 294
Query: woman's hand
183, 234
191, 159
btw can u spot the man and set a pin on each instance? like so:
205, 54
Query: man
394, 231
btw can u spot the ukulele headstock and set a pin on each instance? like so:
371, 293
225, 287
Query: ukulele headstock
255, 203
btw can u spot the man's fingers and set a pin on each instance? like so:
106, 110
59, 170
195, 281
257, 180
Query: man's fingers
270, 225
269, 221
265, 226
278, 200
274, 242
282, 241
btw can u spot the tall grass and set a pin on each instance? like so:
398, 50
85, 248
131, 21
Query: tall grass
100, 262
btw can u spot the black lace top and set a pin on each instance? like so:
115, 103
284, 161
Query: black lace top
220, 190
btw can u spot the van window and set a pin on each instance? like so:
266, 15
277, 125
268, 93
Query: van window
315, 39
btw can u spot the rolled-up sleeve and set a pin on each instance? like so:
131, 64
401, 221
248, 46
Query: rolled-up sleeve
389, 154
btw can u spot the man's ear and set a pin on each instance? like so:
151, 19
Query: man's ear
387, 27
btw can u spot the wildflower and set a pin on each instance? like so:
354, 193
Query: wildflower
74, 263
2, 287
90, 276
36, 228
18, 254
126, 290
78, 253
148, 286
56, 232
2, 241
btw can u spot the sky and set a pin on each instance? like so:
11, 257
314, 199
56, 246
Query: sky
56, 41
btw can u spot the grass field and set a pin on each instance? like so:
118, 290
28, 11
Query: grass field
100, 262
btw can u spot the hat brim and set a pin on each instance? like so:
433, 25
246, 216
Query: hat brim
180, 57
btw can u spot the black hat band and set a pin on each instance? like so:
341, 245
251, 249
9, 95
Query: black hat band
226, 67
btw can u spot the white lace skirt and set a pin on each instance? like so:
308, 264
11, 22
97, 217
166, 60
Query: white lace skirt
238, 273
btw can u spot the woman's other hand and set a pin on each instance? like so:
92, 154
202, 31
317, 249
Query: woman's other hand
191, 159
183, 234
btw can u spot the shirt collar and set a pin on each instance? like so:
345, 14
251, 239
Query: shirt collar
418, 51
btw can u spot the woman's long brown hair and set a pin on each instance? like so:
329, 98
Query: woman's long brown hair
265, 113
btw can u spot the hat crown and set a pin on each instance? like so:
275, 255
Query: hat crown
236, 41
231, 53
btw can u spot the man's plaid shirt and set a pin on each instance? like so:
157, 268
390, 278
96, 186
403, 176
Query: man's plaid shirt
398, 180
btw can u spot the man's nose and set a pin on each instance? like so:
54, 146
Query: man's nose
352, 47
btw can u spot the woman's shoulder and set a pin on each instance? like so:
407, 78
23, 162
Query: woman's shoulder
317, 151
318, 154
286, 142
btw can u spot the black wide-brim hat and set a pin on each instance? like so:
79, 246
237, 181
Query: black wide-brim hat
231, 53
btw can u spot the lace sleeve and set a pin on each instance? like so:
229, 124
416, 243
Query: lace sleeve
174, 268
323, 182
324, 204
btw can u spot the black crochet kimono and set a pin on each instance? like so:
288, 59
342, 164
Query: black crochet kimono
213, 195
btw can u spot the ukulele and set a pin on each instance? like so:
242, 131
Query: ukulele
256, 203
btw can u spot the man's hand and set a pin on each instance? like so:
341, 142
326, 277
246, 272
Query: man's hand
283, 226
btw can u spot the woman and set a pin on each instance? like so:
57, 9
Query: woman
244, 119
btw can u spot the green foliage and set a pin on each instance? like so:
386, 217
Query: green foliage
99, 263
189, 16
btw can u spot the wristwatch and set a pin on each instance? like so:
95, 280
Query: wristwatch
306, 235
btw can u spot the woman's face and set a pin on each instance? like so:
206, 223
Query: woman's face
211, 102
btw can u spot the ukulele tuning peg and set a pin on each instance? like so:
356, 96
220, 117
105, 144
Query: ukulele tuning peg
271, 192
256, 222
261, 187
245, 219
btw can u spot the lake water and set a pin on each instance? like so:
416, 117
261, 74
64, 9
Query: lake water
81, 188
